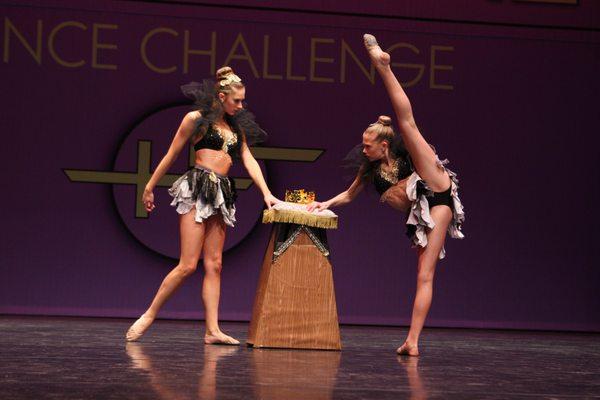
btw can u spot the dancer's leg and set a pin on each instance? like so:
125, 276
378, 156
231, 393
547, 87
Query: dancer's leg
191, 236
428, 257
422, 155
214, 240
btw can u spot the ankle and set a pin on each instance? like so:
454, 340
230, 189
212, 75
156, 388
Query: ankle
149, 314
213, 332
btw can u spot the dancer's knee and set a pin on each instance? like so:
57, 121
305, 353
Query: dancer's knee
213, 265
186, 268
425, 277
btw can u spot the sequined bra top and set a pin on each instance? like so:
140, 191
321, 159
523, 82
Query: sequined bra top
383, 180
214, 140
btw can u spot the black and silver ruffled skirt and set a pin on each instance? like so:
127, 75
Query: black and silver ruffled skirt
419, 219
206, 190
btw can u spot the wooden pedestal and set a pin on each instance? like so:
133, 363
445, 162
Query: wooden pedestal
295, 300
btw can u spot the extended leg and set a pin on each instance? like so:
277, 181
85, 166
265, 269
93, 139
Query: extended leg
422, 155
192, 234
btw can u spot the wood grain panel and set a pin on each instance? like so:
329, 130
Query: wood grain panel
295, 301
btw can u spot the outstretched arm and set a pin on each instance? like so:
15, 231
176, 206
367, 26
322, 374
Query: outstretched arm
343, 198
183, 134
256, 174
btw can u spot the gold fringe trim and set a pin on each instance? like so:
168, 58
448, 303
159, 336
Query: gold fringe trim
300, 218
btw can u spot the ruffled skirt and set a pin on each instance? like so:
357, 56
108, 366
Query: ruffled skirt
206, 190
419, 219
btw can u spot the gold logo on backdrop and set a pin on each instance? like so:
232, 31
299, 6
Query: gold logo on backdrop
140, 177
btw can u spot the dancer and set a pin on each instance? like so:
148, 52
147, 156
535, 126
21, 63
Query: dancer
220, 130
409, 176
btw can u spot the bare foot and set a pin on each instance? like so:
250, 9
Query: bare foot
408, 350
220, 338
138, 328
379, 58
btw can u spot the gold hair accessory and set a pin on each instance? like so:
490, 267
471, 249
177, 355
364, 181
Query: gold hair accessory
299, 196
229, 79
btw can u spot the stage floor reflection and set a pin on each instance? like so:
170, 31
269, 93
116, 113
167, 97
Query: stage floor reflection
81, 358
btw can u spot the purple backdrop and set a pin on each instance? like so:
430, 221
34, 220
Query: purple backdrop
514, 108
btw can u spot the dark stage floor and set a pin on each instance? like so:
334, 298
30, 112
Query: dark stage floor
73, 358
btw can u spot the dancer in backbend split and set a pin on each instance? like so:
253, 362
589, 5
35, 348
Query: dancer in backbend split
410, 177
220, 130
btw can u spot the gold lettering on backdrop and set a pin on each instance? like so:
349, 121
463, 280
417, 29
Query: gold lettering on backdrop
434, 67
212, 53
296, 68
419, 67
346, 49
52, 50
314, 59
239, 41
101, 46
288, 66
37, 53
144, 52
265, 70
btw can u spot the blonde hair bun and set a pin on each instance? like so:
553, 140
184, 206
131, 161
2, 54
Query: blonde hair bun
384, 120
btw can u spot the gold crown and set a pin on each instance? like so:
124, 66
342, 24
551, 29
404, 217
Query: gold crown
299, 196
